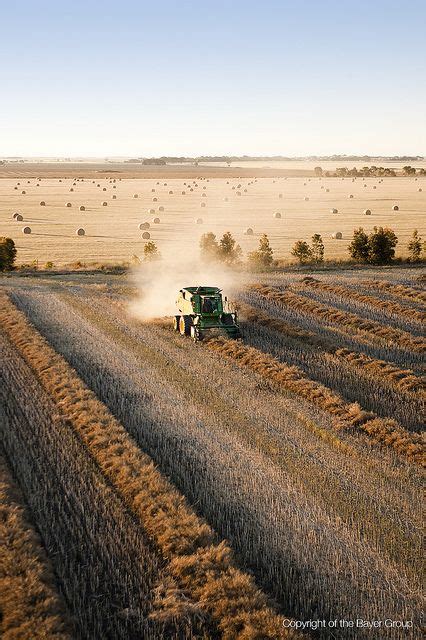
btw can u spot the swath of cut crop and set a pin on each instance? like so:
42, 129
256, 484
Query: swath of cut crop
397, 290
349, 293
381, 430
350, 321
30, 604
404, 379
201, 567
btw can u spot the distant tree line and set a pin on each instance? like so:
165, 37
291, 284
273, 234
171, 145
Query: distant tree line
377, 247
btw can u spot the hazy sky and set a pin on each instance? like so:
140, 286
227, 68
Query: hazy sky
292, 77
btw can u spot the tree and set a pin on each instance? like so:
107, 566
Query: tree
302, 251
317, 249
209, 247
318, 171
229, 251
415, 246
359, 248
7, 253
150, 252
264, 256
382, 243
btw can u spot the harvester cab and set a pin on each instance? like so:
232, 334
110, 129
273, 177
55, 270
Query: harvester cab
203, 312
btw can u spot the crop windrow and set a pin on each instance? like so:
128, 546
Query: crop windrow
382, 430
199, 565
350, 321
30, 604
397, 290
351, 294
404, 379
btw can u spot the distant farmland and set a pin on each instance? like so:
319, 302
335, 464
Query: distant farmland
226, 199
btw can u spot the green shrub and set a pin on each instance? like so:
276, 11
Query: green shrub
7, 253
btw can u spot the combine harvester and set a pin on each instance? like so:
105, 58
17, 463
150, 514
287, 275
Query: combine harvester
202, 314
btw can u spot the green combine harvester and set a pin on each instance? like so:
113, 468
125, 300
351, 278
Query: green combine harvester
202, 312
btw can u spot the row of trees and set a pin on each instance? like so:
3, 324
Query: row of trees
377, 247
368, 172
227, 250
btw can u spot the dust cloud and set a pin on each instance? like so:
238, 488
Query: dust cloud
158, 282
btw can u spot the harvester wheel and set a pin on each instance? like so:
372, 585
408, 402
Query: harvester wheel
195, 334
185, 325
176, 323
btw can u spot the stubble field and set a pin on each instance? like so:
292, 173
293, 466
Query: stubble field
221, 199
300, 445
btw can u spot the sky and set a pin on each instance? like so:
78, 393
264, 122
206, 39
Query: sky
184, 77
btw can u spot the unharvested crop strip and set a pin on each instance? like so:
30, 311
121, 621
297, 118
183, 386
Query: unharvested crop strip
373, 329
403, 379
397, 290
349, 293
382, 430
202, 567
30, 604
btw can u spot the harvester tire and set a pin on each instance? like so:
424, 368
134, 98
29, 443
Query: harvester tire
176, 323
185, 325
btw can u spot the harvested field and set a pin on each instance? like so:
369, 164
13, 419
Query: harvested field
300, 446
112, 232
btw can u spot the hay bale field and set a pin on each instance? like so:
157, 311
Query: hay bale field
112, 230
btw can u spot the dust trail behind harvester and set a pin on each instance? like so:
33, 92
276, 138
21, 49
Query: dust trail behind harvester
159, 281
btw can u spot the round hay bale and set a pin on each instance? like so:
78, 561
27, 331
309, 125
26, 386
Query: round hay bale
161, 208
114, 197
105, 204
182, 193
203, 204
16, 188
226, 199
135, 195
71, 189
104, 189
80, 232
204, 195
151, 212
23, 192
19, 217
238, 193
248, 231
156, 220
199, 221
191, 189
327, 190
374, 187
155, 199
82, 208
350, 196
153, 190
164, 184
26, 230
337, 235
367, 212
306, 199
204, 187
15, 214
42, 203
277, 215
245, 190
144, 225
146, 235
114, 186
68, 204
170, 193
395, 207
98, 185
420, 189
280, 195
334, 210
